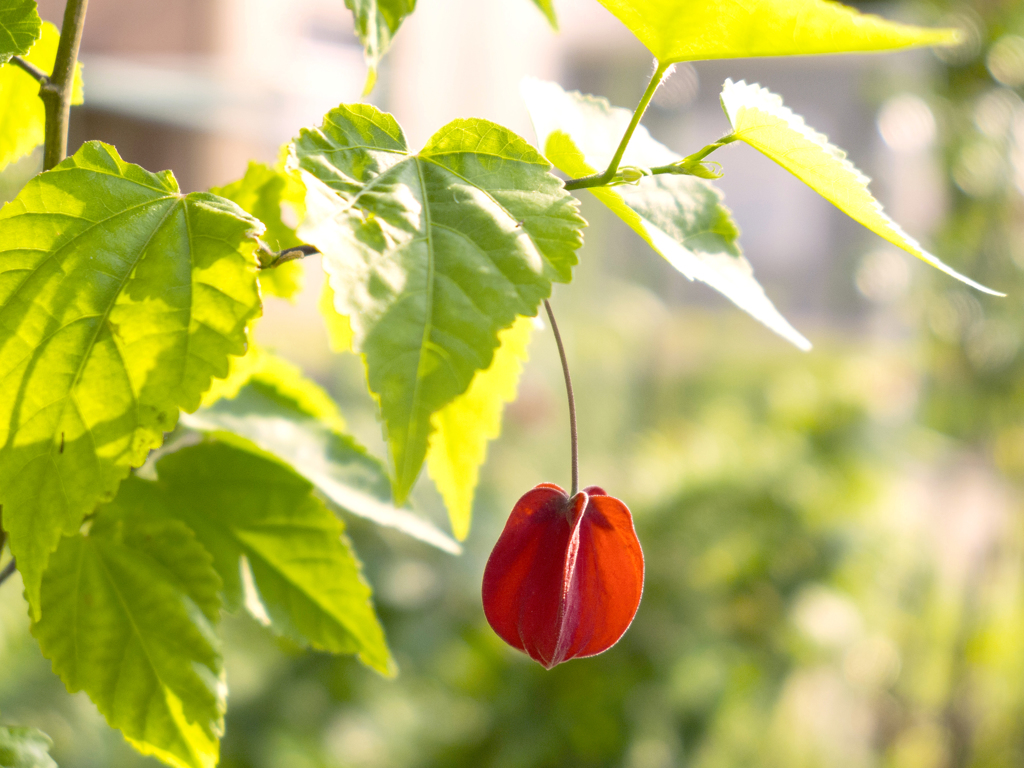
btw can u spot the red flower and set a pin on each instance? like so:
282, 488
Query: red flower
565, 578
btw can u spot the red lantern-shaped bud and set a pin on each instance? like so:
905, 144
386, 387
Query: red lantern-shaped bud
565, 578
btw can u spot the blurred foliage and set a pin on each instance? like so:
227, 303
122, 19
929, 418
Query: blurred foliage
834, 541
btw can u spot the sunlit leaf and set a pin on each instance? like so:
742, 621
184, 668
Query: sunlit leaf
376, 23
463, 428
127, 617
683, 30
759, 119
22, 119
431, 254
25, 747
256, 516
120, 299
680, 217
339, 330
271, 196
547, 7
19, 28
267, 401
285, 378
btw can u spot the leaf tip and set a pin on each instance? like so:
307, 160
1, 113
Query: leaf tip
460, 521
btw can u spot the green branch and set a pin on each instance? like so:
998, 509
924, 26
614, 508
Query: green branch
603, 179
57, 91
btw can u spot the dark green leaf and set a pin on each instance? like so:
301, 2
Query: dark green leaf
135, 632
254, 514
289, 416
376, 22
430, 255
25, 748
271, 196
20, 26
119, 300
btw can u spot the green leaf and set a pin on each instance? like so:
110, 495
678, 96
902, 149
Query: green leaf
290, 387
683, 30
759, 119
268, 402
339, 329
376, 23
431, 254
253, 512
119, 300
135, 632
271, 196
680, 217
170, 543
22, 118
463, 428
547, 7
19, 28
25, 747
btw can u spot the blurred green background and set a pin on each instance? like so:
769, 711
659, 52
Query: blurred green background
834, 541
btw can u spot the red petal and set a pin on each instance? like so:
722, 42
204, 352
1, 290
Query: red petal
565, 576
523, 585
608, 579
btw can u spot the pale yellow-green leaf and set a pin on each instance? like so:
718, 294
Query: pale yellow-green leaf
691, 30
681, 217
22, 120
287, 379
463, 428
339, 329
275, 198
759, 119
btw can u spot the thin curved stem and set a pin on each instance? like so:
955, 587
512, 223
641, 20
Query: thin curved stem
602, 179
574, 440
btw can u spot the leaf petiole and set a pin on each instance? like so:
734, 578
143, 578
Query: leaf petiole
602, 179
8, 571
31, 68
